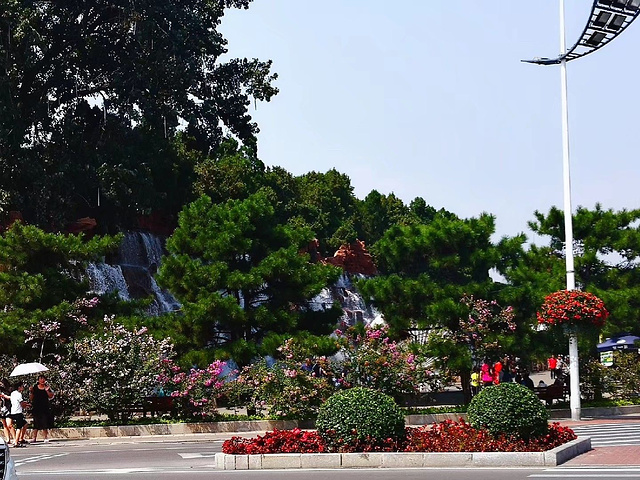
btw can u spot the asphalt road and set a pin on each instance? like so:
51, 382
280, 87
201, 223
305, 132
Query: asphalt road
135, 460
169, 458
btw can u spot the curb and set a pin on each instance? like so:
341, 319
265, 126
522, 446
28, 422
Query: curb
281, 461
175, 429
595, 412
267, 425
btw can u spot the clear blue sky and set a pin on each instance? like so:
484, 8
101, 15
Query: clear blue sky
429, 98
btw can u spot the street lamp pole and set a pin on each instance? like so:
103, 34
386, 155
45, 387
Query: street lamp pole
608, 19
574, 386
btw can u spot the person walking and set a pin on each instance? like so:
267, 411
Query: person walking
475, 381
5, 409
40, 395
18, 423
552, 363
486, 373
497, 372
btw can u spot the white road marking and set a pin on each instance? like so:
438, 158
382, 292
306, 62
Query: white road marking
37, 458
197, 455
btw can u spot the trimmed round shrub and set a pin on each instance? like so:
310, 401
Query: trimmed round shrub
358, 417
509, 409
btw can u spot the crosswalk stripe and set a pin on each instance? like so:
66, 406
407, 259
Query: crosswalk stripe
37, 458
610, 434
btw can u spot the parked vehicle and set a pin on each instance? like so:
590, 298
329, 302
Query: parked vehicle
7, 467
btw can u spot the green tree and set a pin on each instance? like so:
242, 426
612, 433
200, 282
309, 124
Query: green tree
42, 280
606, 251
422, 212
426, 269
239, 275
234, 172
93, 95
377, 213
326, 202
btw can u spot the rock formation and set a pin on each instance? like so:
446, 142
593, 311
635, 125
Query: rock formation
354, 259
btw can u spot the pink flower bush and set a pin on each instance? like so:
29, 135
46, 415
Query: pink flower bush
375, 361
200, 388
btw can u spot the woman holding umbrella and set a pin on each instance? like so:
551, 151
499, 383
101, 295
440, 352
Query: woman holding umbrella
40, 394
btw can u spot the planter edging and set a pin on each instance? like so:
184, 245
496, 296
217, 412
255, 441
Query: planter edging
279, 461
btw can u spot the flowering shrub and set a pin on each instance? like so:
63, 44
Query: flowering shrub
199, 387
285, 390
74, 318
481, 333
111, 370
446, 436
278, 441
373, 360
487, 320
574, 308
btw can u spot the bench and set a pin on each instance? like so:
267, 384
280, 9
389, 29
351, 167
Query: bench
152, 405
551, 393
156, 405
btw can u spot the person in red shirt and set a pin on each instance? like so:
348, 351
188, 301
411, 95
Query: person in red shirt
497, 372
553, 364
486, 373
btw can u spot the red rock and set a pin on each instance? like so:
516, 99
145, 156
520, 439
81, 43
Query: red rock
353, 258
85, 224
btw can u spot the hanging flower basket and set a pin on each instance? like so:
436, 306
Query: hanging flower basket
572, 308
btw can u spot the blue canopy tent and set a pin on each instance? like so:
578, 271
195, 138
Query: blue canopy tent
622, 342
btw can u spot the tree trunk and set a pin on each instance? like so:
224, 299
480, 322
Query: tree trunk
465, 381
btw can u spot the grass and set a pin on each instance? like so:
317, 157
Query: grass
164, 419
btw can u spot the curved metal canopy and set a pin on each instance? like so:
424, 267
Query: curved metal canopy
608, 19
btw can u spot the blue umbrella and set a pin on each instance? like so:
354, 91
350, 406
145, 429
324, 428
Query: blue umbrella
622, 342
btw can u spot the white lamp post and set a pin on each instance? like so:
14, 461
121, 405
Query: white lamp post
608, 19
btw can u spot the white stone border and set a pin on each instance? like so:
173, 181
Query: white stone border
279, 461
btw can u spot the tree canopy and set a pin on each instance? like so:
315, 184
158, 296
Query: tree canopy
43, 280
93, 95
425, 269
606, 253
240, 274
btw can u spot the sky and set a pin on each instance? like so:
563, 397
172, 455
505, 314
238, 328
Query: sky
429, 98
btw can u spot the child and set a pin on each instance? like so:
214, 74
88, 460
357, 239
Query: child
475, 381
18, 422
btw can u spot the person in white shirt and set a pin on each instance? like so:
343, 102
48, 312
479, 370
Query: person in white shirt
19, 423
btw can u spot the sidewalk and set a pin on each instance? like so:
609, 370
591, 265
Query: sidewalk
608, 456
627, 455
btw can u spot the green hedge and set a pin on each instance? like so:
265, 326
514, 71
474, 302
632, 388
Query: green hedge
509, 409
359, 415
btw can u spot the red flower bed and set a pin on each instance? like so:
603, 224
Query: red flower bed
447, 436
278, 441
450, 436
572, 307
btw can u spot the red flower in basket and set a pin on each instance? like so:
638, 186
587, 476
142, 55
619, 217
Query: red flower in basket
572, 307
